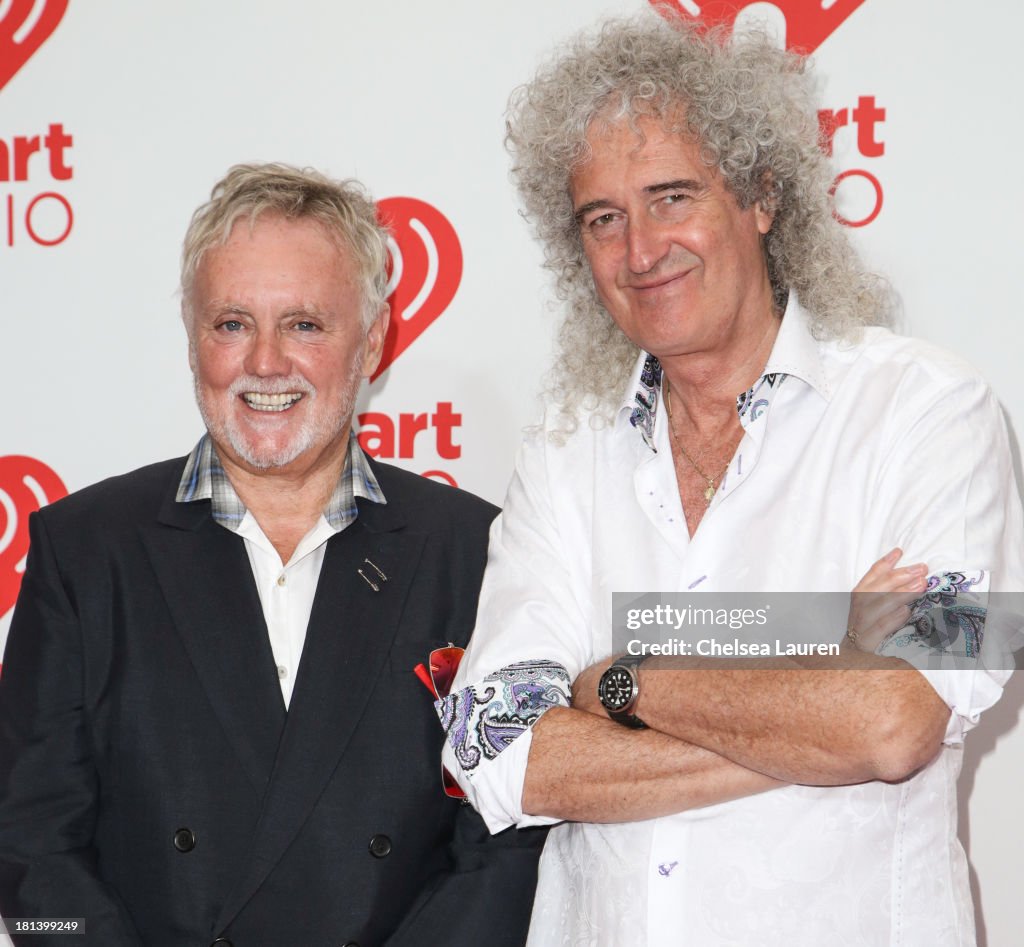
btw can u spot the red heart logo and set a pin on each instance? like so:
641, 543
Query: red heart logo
25, 26
424, 271
808, 22
26, 484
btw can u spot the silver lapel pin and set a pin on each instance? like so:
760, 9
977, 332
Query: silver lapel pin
370, 582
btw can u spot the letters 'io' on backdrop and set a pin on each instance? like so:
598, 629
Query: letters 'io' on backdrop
116, 118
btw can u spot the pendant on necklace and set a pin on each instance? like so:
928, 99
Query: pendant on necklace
710, 492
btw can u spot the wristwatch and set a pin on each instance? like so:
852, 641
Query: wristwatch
619, 689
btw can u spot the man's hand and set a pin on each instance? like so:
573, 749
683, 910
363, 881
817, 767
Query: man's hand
880, 602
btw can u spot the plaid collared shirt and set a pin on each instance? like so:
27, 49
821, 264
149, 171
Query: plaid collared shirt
204, 479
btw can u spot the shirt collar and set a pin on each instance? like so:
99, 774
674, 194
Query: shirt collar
643, 397
204, 479
795, 353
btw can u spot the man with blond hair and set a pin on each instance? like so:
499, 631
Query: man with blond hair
210, 728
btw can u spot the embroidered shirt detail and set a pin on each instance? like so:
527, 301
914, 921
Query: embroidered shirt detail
756, 399
645, 400
949, 619
644, 411
204, 479
485, 718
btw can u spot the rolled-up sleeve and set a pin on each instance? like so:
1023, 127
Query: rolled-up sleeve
957, 508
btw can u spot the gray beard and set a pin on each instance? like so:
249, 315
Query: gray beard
321, 427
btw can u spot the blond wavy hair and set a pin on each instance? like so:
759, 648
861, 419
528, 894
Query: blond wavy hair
751, 108
347, 213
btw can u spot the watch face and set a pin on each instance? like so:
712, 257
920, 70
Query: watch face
616, 688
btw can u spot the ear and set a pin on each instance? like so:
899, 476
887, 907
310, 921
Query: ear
764, 209
374, 344
186, 319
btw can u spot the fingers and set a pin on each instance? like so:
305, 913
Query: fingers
885, 576
879, 573
880, 603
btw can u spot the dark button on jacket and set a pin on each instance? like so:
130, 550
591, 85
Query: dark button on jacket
184, 840
380, 846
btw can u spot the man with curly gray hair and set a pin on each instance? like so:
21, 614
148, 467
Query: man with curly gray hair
728, 414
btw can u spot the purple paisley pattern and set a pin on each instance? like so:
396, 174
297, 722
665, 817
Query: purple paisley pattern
949, 618
485, 718
749, 406
754, 400
645, 400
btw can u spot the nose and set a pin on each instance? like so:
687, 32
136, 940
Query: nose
267, 356
645, 245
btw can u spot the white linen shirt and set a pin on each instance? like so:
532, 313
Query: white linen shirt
848, 450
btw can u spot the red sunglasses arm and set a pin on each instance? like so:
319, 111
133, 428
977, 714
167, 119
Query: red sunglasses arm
424, 675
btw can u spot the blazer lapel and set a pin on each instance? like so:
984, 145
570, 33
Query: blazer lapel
351, 630
208, 586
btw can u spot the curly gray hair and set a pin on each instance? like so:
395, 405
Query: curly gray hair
343, 208
750, 107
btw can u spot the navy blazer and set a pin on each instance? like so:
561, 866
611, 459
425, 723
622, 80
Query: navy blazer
151, 780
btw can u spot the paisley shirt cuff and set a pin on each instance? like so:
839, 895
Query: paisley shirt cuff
483, 719
948, 642
947, 623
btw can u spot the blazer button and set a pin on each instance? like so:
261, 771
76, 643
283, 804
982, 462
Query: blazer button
185, 841
380, 846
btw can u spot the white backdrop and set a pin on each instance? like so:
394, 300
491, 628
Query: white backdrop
116, 118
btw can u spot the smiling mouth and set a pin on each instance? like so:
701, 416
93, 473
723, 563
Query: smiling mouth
659, 283
271, 403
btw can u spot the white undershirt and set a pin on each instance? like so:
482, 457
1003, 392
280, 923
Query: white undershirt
286, 591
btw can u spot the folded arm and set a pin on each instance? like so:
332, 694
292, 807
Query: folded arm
587, 769
872, 718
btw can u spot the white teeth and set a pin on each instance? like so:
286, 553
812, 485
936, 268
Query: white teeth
276, 402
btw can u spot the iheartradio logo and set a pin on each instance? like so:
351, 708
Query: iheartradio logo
808, 22
424, 272
24, 26
26, 484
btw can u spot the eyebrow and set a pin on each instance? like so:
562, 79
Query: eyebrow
307, 310
219, 307
589, 206
679, 184
225, 308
